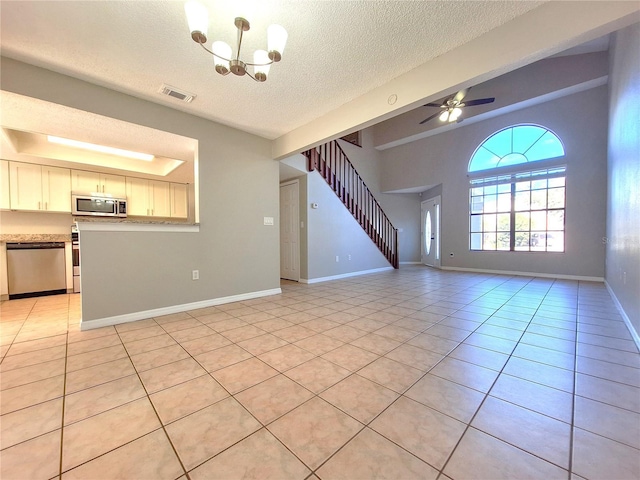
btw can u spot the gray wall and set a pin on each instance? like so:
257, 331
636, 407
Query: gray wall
623, 206
580, 120
235, 253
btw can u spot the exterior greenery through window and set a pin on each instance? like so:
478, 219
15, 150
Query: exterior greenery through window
523, 210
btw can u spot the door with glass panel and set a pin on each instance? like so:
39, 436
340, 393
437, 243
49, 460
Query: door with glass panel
431, 232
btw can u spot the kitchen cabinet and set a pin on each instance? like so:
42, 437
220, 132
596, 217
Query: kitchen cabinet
84, 182
149, 198
179, 201
5, 198
39, 188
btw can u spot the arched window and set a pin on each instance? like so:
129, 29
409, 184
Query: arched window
519, 144
521, 209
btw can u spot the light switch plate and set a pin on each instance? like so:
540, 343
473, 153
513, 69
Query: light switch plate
268, 220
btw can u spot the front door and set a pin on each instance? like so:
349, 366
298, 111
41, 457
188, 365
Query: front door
289, 232
431, 232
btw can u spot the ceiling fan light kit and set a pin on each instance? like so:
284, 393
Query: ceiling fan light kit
223, 59
451, 107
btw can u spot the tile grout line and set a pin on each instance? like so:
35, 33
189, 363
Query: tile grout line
148, 397
487, 394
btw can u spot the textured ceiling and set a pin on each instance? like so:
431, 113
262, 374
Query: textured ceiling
337, 50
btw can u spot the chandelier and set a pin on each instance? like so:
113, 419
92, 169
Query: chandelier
223, 58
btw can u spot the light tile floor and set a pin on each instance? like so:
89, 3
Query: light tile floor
415, 373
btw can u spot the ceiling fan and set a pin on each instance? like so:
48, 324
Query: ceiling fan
451, 107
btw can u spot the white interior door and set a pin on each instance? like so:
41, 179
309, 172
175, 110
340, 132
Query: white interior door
431, 232
289, 232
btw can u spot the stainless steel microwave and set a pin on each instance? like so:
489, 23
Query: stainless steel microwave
99, 206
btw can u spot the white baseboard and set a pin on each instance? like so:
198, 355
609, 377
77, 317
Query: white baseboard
156, 312
410, 263
625, 317
527, 274
345, 275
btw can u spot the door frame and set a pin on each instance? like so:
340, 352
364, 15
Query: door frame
295, 182
436, 203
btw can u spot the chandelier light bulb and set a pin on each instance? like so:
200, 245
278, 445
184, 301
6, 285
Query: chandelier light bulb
262, 65
455, 113
276, 40
444, 116
221, 56
198, 20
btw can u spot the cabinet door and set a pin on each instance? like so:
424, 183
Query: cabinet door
179, 202
26, 186
85, 182
160, 198
56, 189
138, 197
5, 199
114, 185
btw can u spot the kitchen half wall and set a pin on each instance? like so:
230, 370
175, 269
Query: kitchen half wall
125, 274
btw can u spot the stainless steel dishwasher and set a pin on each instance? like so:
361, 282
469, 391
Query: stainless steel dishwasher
35, 269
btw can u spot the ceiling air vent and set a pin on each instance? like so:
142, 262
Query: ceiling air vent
175, 93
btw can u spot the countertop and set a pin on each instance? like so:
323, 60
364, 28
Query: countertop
35, 237
66, 237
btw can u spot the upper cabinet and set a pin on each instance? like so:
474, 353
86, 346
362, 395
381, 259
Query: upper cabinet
5, 198
148, 198
90, 182
179, 201
39, 188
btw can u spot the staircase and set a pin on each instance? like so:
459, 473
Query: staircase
334, 166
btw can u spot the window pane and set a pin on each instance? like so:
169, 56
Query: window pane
499, 143
504, 202
482, 160
538, 220
476, 204
538, 241
489, 241
524, 136
504, 188
556, 197
522, 221
490, 203
555, 244
555, 220
504, 241
476, 223
490, 190
549, 146
536, 184
504, 222
538, 199
556, 182
476, 241
522, 241
476, 191
523, 186
522, 201
489, 223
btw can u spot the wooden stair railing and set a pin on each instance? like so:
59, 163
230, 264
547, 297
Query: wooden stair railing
334, 166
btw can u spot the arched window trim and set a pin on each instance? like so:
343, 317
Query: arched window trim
520, 166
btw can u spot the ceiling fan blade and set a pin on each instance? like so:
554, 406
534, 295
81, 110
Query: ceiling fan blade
432, 105
478, 101
431, 117
460, 95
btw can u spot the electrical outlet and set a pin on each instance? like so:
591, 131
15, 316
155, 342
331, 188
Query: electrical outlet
337, 258
349, 257
195, 275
